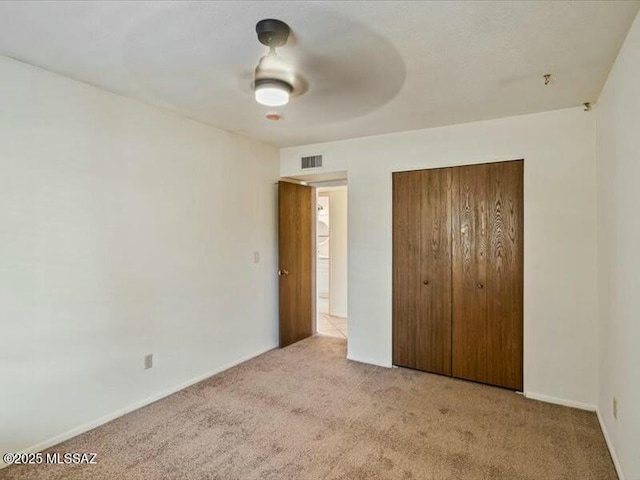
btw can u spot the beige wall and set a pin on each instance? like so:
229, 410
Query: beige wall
618, 112
124, 230
560, 301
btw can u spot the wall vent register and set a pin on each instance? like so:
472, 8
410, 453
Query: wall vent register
312, 161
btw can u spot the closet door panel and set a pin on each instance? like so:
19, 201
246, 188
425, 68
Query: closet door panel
505, 275
407, 194
470, 239
433, 333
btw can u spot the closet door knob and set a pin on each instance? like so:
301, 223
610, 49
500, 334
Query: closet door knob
480, 286
426, 282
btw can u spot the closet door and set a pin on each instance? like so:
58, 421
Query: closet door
505, 274
469, 216
488, 274
433, 333
422, 270
407, 197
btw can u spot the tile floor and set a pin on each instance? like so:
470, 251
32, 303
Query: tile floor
331, 326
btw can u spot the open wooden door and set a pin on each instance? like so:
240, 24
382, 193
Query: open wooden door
295, 248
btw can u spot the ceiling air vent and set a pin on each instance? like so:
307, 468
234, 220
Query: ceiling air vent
313, 161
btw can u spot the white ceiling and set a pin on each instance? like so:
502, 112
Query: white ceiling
372, 67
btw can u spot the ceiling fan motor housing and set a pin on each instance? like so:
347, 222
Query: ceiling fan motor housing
272, 33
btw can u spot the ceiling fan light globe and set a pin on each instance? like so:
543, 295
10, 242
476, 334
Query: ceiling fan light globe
272, 94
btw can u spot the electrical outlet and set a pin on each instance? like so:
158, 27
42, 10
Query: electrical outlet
256, 257
148, 361
615, 408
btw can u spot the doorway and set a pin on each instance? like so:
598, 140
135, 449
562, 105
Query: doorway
331, 261
305, 309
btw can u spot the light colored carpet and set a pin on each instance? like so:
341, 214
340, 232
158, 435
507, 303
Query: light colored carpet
305, 412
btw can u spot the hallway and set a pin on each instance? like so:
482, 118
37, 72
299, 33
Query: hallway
331, 326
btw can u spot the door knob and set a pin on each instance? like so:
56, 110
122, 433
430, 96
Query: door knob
426, 282
283, 272
480, 286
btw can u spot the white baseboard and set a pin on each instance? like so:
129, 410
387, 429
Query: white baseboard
560, 401
583, 406
607, 439
368, 360
135, 406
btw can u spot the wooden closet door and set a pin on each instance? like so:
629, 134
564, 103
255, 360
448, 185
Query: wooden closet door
470, 238
422, 270
433, 333
488, 273
407, 195
505, 274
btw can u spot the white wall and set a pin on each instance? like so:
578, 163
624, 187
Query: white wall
124, 230
618, 113
338, 251
560, 301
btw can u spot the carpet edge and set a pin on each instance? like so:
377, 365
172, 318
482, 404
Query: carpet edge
560, 401
607, 439
85, 427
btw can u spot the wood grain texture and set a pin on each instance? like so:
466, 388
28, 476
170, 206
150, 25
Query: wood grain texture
407, 195
295, 248
470, 273
458, 272
433, 332
505, 277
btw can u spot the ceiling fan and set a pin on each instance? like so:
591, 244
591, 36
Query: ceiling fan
275, 82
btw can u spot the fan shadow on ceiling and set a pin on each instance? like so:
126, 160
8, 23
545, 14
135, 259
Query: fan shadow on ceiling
205, 61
